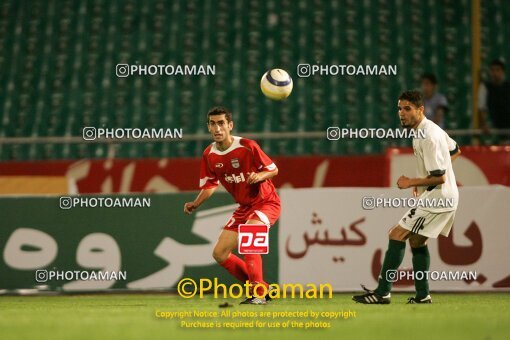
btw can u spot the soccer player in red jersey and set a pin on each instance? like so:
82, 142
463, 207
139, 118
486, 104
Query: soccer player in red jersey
245, 171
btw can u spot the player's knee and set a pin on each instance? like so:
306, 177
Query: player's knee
220, 254
416, 241
398, 233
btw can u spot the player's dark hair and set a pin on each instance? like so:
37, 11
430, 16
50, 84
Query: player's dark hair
498, 62
430, 77
412, 96
218, 110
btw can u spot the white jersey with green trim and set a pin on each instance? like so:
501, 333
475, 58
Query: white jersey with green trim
433, 159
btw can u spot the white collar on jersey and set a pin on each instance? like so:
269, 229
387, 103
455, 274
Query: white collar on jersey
235, 144
422, 123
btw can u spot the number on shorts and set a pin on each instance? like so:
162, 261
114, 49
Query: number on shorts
231, 222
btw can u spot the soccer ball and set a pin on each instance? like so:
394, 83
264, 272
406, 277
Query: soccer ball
276, 84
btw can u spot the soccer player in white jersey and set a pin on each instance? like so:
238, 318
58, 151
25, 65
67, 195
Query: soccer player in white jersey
435, 180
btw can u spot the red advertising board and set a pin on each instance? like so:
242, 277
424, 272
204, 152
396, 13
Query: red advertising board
172, 175
476, 166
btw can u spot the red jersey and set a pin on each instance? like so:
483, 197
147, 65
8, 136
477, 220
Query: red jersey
231, 168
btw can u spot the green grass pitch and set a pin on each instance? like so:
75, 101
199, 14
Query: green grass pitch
132, 316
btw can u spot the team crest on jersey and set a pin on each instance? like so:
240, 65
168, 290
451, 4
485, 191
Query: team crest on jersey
235, 163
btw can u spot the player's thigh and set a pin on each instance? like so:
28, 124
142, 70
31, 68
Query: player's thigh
227, 242
398, 233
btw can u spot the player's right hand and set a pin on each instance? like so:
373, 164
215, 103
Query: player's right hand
189, 207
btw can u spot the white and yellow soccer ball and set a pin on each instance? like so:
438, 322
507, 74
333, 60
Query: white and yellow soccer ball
276, 84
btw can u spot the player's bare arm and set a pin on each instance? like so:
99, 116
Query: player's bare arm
455, 155
201, 198
256, 177
431, 180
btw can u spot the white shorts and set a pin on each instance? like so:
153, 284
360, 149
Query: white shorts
426, 223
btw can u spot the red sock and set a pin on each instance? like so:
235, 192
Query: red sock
254, 270
235, 266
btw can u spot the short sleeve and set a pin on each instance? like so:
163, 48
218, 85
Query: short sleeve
208, 178
435, 162
452, 145
262, 161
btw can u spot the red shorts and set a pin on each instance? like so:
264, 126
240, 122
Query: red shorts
266, 212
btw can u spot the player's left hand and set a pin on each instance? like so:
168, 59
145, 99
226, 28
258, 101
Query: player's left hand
253, 177
404, 182
415, 192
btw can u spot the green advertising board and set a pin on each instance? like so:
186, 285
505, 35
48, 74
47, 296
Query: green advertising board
154, 247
